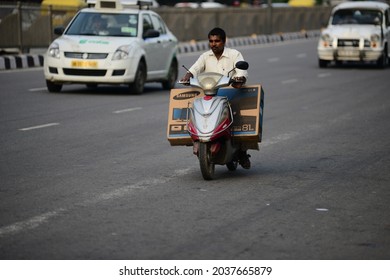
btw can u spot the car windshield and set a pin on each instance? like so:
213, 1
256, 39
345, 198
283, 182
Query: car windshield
357, 16
100, 24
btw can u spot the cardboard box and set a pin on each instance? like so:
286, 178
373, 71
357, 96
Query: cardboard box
247, 105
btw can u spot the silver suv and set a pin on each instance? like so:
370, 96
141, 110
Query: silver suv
357, 31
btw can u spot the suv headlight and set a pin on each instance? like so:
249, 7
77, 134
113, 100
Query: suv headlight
121, 53
326, 40
375, 40
54, 50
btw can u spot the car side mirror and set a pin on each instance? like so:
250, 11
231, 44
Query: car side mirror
59, 30
151, 33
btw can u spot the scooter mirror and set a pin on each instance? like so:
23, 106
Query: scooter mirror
242, 65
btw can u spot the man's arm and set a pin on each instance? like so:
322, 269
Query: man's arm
194, 70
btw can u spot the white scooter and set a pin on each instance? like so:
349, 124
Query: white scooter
210, 121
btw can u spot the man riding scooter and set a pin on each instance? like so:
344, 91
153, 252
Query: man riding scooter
221, 59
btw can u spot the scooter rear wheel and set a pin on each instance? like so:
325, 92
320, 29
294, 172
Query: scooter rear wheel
206, 166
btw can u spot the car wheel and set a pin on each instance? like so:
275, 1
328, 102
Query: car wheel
322, 63
53, 87
172, 76
383, 60
137, 87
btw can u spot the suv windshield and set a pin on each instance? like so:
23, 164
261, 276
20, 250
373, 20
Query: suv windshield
100, 24
357, 16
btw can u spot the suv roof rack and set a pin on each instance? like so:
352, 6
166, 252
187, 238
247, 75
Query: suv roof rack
119, 4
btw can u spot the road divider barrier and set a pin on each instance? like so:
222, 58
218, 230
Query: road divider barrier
19, 61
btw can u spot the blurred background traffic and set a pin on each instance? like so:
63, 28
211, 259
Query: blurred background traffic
25, 25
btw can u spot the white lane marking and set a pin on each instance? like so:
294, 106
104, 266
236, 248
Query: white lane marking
38, 126
289, 81
30, 223
323, 75
115, 194
127, 110
274, 59
37, 89
322, 209
301, 55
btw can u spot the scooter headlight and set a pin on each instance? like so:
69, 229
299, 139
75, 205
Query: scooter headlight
209, 81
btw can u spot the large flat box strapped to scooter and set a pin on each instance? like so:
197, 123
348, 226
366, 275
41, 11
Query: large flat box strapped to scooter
247, 105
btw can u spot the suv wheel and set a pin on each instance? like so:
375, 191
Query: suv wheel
383, 60
322, 63
137, 87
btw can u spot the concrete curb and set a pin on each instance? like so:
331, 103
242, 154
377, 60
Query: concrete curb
36, 60
20, 61
201, 46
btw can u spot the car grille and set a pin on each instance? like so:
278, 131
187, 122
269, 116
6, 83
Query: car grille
84, 72
348, 43
81, 55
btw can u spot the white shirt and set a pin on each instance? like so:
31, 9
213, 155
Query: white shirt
208, 62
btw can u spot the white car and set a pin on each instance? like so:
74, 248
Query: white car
194, 5
113, 42
357, 31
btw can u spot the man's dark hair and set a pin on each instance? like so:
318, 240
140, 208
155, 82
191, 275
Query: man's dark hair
218, 32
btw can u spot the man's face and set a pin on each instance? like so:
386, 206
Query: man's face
216, 44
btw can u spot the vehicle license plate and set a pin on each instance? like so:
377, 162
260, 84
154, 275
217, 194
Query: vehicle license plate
84, 63
348, 53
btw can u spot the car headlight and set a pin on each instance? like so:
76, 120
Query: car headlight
54, 50
375, 40
121, 53
326, 40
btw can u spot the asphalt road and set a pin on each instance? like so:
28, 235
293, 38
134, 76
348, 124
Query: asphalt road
89, 174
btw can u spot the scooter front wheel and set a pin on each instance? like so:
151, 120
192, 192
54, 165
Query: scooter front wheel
207, 167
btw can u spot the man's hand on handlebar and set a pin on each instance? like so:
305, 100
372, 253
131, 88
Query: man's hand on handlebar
238, 82
186, 79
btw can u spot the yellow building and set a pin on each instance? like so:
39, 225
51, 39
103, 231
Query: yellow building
64, 4
302, 3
